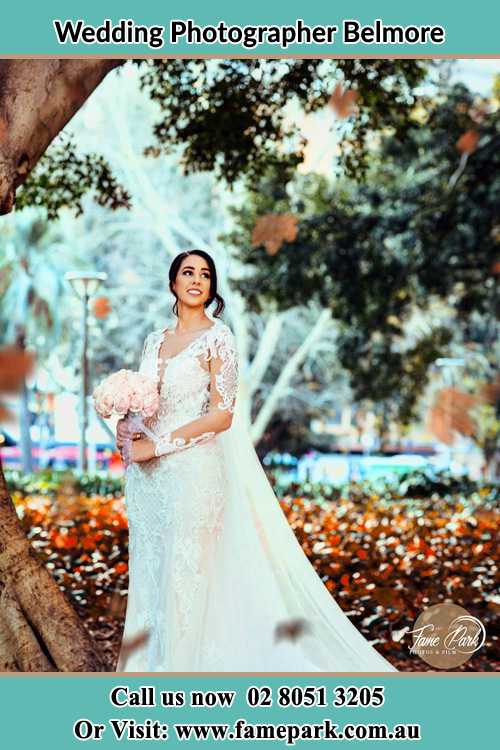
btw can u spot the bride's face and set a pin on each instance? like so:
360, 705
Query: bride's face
192, 283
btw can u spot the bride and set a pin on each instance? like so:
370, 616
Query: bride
217, 577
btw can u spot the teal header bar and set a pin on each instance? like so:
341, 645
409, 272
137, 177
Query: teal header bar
317, 29
450, 710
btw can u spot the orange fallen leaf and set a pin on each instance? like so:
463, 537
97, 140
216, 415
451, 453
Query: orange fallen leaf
15, 364
6, 415
291, 630
343, 102
101, 307
271, 230
132, 644
467, 143
450, 412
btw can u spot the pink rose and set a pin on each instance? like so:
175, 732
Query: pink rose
135, 404
122, 402
107, 401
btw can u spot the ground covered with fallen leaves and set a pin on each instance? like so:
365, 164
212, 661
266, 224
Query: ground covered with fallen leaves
384, 551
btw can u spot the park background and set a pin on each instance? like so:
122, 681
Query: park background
351, 208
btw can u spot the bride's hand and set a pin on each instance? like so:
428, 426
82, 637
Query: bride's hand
123, 431
142, 450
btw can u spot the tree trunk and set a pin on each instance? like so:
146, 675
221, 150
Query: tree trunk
37, 99
39, 629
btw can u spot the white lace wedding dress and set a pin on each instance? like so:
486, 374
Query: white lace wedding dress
214, 567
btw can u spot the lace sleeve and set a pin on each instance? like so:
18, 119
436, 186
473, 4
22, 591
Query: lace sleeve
223, 386
224, 370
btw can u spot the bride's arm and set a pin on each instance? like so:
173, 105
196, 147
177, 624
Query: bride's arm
223, 386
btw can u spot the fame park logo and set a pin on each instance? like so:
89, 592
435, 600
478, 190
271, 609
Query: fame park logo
446, 635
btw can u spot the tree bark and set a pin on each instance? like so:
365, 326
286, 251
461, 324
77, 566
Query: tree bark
39, 629
37, 99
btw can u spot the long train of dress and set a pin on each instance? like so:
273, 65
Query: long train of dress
214, 567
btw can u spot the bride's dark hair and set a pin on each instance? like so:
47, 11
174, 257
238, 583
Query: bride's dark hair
213, 294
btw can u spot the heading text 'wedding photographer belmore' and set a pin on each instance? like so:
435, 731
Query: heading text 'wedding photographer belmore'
351, 31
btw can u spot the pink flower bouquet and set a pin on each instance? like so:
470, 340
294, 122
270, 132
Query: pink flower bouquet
127, 394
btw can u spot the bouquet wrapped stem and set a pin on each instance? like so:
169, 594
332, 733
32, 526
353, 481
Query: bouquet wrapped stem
135, 424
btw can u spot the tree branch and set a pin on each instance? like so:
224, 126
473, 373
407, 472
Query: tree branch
265, 351
37, 99
287, 373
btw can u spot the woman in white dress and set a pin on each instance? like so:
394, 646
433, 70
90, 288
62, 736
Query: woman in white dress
217, 577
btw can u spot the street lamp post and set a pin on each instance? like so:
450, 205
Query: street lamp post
85, 285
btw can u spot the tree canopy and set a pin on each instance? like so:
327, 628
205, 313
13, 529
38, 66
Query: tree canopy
423, 225
230, 116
